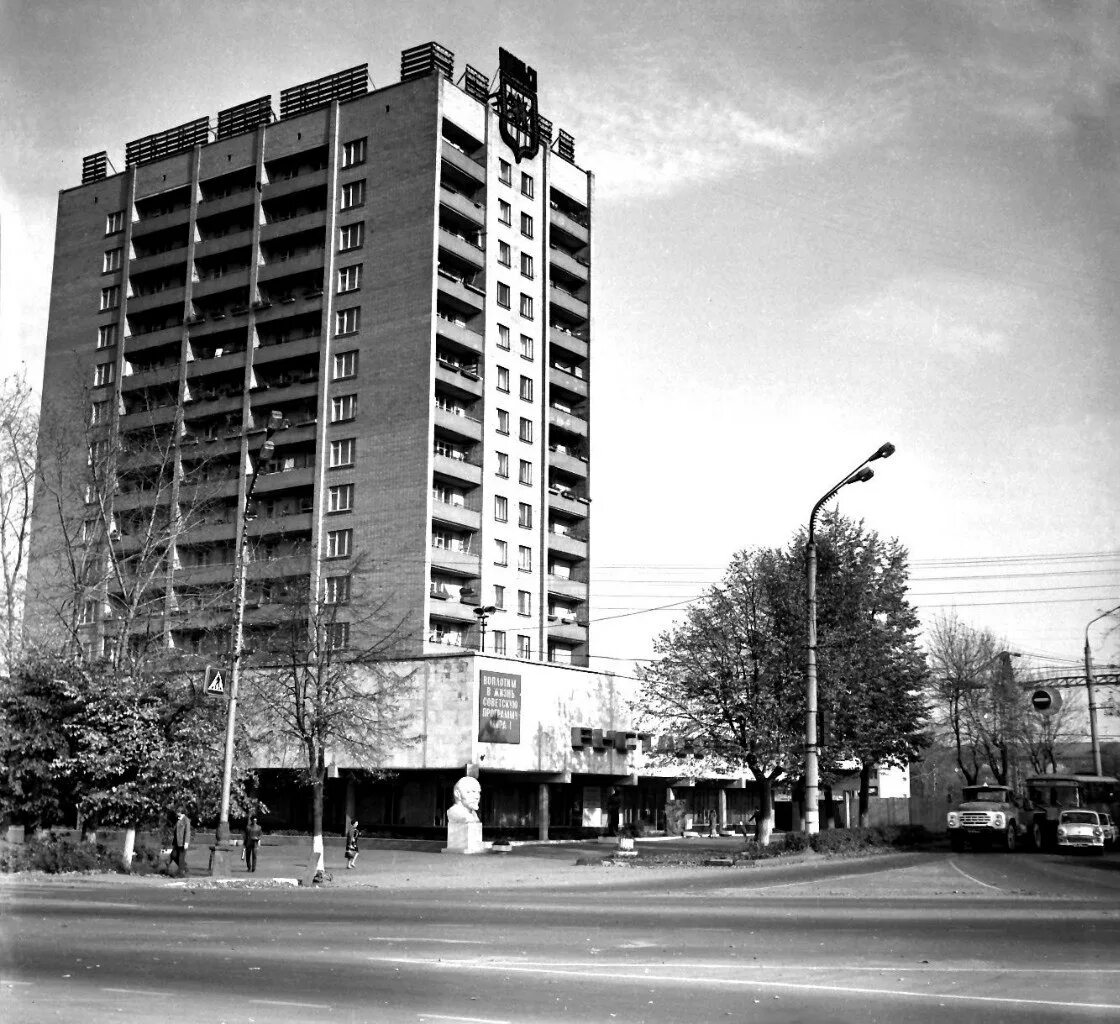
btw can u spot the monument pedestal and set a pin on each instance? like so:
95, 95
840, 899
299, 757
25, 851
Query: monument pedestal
464, 837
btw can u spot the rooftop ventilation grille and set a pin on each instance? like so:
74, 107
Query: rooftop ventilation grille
545, 128
426, 59
566, 147
341, 86
476, 84
244, 117
167, 143
94, 167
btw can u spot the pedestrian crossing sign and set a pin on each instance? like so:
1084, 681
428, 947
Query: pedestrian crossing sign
215, 681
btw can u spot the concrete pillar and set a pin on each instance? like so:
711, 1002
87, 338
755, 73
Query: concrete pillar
542, 811
722, 797
847, 808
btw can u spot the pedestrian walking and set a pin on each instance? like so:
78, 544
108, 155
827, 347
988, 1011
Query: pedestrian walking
352, 845
181, 842
252, 842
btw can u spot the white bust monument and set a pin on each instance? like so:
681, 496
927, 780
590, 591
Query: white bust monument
464, 829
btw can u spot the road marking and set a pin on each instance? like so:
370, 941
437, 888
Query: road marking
137, 992
421, 938
641, 972
5, 981
465, 1020
282, 1002
959, 871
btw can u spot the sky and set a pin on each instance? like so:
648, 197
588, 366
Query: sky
819, 227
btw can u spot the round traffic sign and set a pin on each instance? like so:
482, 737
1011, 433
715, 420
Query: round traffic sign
1046, 701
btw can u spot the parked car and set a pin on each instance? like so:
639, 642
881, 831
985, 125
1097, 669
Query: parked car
1111, 830
1081, 829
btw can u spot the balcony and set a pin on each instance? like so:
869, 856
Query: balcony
460, 563
569, 341
301, 263
568, 545
466, 296
199, 368
223, 204
456, 515
569, 382
452, 609
300, 302
569, 226
572, 464
168, 373
158, 260
235, 280
573, 307
457, 469
294, 225
173, 296
223, 243
571, 632
570, 265
474, 213
567, 503
460, 426
461, 247
561, 586
567, 421
458, 332
161, 221
304, 182
147, 418
212, 402
474, 169
468, 382
285, 349
288, 479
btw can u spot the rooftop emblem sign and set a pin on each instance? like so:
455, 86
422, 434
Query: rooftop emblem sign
499, 707
518, 118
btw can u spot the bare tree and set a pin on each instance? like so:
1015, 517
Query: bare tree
19, 427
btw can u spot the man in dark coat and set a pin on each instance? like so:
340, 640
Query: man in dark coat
180, 842
252, 842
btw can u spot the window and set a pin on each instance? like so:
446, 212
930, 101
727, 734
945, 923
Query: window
526, 265
114, 223
353, 194
505, 212
503, 379
347, 321
107, 335
344, 407
342, 452
350, 278
505, 172
526, 431
111, 297
503, 464
499, 641
524, 603
345, 365
523, 648
99, 413
501, 509
336, 589
526, 347
503, 337
527, 185
525, 515
499, 596
353, 152
103, 373
525, 472
527, 306
527, 225
501, 552
338, 636
351, 236
449, 495
505, 254
524, 558
503, 422
338, 543
503, 295
112, 261
526, 389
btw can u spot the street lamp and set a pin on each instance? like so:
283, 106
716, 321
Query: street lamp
482, 614
221, 851
861, 474
1094, 738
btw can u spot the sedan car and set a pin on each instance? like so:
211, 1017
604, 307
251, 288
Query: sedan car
1111, 831
1081, 829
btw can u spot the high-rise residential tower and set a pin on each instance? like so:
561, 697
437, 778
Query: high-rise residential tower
397, 278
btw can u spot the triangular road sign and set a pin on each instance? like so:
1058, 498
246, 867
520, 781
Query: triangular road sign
215, 680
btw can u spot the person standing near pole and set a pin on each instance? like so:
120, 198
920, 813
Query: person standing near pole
252, 843
181, 842
352, 845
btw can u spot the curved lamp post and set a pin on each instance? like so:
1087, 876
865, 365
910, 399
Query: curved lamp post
482, 614
221, 852
1094, 737
861, 474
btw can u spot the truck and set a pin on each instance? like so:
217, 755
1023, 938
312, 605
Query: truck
993, 816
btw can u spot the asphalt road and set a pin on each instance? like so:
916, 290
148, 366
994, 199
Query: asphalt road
922, 937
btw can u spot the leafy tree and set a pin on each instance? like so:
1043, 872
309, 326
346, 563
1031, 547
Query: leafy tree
18, 430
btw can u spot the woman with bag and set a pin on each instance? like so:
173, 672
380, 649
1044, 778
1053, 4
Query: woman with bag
352, 845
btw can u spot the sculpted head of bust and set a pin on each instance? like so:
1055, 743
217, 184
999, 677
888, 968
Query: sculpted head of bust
467, 794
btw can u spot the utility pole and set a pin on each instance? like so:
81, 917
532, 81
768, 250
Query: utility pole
1090, 690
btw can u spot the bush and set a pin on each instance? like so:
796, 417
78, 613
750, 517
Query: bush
55, 854
634, 829
795, 842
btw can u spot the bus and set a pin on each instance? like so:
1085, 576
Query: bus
1052, 794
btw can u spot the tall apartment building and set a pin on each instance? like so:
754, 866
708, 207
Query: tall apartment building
403, 276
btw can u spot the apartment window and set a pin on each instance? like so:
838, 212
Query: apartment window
107, 335
112, 261
338, 543
338, 636
525, 472
524, 558
503, 464
336, 589
527, 306
351, 236
499, 596
449, 495
527, 185
99, 413
525, 515
526, 265
501, 552
353, 152
350, 278
353, 194
503, 421
526, 389
526, 346
110, 297
344, 407
505, 212
505, 172
505, 254
526, 431
501, 509
103, 373
527, 225
524, 603
503, 379
345, 365
342, 452
347, 321
499, 641
503, 337
503, 295
114, 223
523, 648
